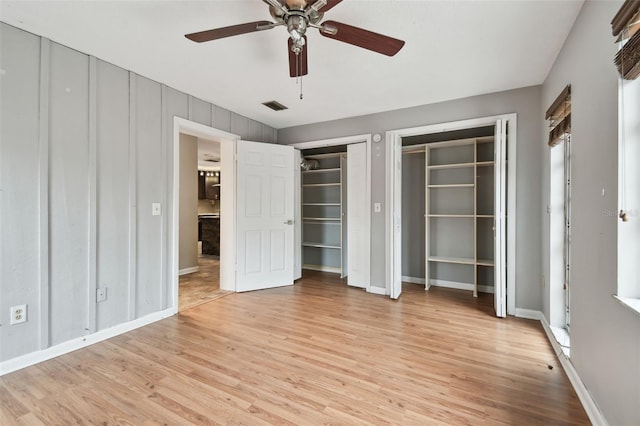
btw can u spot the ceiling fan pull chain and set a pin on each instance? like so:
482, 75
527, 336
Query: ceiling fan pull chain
299, 61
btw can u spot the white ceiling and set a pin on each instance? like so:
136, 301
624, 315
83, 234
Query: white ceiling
208, 154
454, 49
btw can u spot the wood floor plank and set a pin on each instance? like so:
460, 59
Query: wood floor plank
317, 352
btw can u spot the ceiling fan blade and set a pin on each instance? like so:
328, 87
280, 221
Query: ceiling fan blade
298, 65
362, 38
233, 30
330, 4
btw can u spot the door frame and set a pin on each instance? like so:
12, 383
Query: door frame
392, 246
227, 192
345, 140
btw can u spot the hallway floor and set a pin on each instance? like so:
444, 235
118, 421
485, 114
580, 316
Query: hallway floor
202, 286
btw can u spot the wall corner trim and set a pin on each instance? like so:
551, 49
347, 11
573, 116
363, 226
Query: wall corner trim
36, 357
190, 270
589, 405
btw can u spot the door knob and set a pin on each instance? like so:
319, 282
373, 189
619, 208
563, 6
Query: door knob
289, 222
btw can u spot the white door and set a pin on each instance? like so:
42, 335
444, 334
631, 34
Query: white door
358, 219
396, 223
500, 264
264, 215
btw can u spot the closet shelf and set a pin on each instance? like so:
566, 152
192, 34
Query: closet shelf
329, 155
461, 260
447, 259
320, 245
322, 219
452, 215
485, 216
320, 204
453, 185
450, 166
322, 268
485, 163
336, 223
321, 170
321, 184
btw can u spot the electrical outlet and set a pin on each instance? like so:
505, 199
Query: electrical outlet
156, 209
101, 294
18, 314
377, 207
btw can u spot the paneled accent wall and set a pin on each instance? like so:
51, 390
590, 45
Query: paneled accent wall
85, 149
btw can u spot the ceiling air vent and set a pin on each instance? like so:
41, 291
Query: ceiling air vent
276, 106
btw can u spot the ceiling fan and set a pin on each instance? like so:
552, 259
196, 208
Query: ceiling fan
297, 16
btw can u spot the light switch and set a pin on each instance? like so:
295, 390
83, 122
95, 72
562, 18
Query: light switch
156, 210
377, 208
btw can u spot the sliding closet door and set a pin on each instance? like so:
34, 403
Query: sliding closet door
500, 209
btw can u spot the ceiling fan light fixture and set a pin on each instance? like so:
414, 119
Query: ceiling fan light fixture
296, 4
328, 29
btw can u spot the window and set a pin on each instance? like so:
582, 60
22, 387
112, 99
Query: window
626, 27
629, 192
559, 117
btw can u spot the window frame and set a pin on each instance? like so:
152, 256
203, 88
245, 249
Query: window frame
628, 232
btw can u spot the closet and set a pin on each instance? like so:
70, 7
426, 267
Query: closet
335, 211
458, 185
324, 207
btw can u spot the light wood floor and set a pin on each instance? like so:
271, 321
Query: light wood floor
314, 353
202, 286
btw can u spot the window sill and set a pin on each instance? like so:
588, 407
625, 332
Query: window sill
629, 303
563, 339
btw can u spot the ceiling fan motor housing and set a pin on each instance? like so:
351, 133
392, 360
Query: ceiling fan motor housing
297, 27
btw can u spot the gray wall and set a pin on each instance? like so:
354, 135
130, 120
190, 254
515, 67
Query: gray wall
85, 149
605, 336
525, 102
188, 246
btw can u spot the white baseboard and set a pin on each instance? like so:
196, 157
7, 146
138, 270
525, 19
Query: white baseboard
377, 290
529, 314
412, 280
81, 342
592, 410
191, 270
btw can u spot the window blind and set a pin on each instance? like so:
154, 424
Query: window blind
626, 26
559, 116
